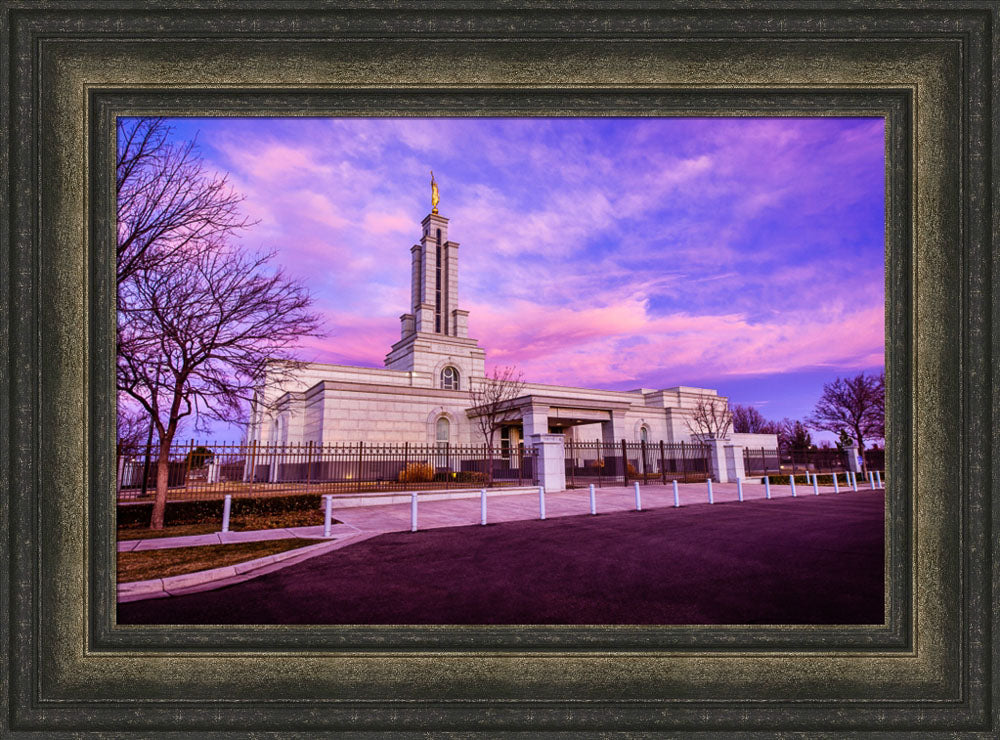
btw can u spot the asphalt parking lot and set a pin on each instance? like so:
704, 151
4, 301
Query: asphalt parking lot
804, 560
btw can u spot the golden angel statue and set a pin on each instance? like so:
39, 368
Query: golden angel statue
435, 198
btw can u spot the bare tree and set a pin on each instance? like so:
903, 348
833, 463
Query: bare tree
748, 420
709, 419
491, 398
168, 201
856, 405
133, 427
195, 337
793, 434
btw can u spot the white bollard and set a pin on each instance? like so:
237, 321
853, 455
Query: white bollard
739, 488
541, 502
638, 497
327, 515
836, 487
593, 500
482, 506
871, 480
854, 481
815, 486
677, 500
767, 486
226, 507
710, 498
791, 482
878, 479
413, 511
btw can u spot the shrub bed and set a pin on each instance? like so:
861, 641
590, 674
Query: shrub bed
821, 479
192, 512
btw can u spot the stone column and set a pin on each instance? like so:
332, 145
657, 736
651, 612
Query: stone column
534, 420
613, 430
551, 460
213, 472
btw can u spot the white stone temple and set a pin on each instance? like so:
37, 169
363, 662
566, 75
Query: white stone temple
422, 394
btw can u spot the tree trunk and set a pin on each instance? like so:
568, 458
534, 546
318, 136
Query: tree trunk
162, 479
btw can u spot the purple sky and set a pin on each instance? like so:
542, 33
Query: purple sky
745, 255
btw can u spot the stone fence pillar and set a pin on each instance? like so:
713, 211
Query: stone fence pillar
854, 462
734, 462
717, 462
551, 461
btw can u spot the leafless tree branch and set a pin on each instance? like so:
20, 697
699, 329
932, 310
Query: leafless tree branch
709, 419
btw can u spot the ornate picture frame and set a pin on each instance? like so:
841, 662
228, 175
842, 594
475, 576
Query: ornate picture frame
69, 69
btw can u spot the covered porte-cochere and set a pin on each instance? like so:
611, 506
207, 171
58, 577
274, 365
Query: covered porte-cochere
584, 441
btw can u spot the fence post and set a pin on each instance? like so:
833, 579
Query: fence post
328, 514
683, 463
226, 508
663, 463
253, 464
593, 500
187, 468
541, 502
739, 488
361, 452
482, 506
413, 511
645, 470
309, 465
569, 458
624, 464
638, 497
677, 499
711, 498
767, 486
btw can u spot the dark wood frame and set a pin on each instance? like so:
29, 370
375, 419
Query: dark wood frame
69, 67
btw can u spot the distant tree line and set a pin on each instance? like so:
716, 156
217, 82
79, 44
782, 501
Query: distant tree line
853, 408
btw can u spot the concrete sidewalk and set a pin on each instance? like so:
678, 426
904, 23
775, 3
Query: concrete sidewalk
501, 507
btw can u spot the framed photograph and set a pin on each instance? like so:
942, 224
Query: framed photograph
597, 314
72, 74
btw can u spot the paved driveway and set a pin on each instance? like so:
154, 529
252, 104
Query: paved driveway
805, 560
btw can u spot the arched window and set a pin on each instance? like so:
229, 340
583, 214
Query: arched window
443, 431
449, 379
643, 434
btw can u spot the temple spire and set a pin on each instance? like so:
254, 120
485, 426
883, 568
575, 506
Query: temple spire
435, 197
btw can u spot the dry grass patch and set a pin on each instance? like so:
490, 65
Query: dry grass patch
276, 520
147, 564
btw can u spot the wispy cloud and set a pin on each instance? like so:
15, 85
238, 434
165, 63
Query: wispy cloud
594, 251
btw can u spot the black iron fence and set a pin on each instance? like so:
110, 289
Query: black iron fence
620, 463
875, 459
786, 461
209, 470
